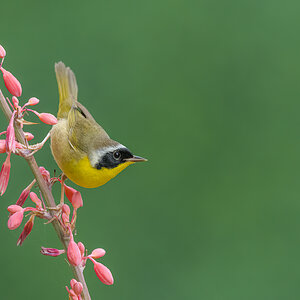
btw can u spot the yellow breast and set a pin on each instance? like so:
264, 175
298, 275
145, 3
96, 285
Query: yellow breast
82, 173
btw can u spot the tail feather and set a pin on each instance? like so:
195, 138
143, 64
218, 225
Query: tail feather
67, 89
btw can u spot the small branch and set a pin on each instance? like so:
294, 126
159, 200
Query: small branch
47, 195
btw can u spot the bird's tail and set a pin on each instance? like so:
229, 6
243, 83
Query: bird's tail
67, 89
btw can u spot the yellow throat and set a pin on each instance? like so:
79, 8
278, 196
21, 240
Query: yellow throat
82, 173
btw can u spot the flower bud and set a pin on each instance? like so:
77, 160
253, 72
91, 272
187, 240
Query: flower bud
33, 101
77, 288
103, 273
4, 175
12, 83
2, 52
73, 196
51, 251
73, 252
10, 135
15, 102
81, 248
14, 208
47, 118
15, 220
66, 209
28, 136
35, 199
45, 174
97, 253
27, 229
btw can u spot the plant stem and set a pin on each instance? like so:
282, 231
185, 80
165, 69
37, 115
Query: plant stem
47, 195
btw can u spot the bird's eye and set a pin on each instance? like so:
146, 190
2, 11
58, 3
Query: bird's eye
117, 155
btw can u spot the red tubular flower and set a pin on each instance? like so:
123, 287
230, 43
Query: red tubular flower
51, 251
10, 135
81, 248
2, 52
25, 194
15, 102
15, 220
4, 175
102, 272
73, 196
33, 101
73, 252
11, 83
28, 136
45, 174
35, 199
97, 253
47, 118
14, 208
27, 229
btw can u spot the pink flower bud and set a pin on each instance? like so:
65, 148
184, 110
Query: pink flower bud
14, 208
12, 83
10, 135
66, 209
35, 199
2, 52
45, 174
28, 136
73, 196
2, 146
15, 220
47, 118
81, 248
51, 251
33, 101
4, 175
102, 272
25, 194
77, 288
73, 252
27, 229
65, 218
15, 102
97, 253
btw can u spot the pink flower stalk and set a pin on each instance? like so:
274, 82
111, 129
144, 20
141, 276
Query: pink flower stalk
15, 102
73, 252
11, 83
14, 208
97, 253
51, 251
28, 136
4, 175
15, 220
26, 231
10, 135
102, 272
73, 196
2, 52
35, 199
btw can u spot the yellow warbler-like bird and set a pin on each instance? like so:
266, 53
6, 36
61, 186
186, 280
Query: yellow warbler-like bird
81, 147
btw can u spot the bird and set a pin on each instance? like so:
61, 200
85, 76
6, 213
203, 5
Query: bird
80, 146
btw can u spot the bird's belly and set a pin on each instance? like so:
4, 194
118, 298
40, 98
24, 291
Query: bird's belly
82, 173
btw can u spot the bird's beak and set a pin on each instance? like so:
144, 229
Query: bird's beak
136, 159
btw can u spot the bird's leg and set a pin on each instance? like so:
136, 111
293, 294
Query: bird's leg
38, 146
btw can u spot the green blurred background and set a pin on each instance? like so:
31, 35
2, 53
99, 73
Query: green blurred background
208, 91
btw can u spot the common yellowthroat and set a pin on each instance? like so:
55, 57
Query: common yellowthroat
81, 147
